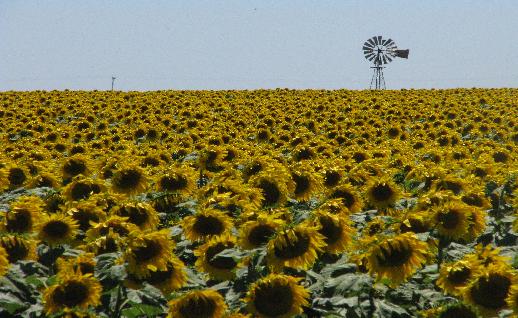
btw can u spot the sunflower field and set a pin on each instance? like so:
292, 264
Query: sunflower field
267, 203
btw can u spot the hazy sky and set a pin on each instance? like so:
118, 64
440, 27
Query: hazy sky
242, 44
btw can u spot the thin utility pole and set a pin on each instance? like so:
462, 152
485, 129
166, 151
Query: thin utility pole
113, 81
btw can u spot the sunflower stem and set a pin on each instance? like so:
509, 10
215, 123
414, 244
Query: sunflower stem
372, 305
116, 310
440, 252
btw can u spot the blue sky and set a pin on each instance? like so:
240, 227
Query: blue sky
151, 45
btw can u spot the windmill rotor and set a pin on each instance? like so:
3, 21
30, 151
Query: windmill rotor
381, 51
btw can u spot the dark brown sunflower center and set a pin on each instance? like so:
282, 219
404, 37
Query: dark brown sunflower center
450, 219
70, 295
260, 234
500, 157
108, 245
331, 178
217, 261
15, 251
331, 231
170, 183
83, 217
271, 192
302, 184
273, 300
158, 277
148, 251
473, 200
382, 192
56, 229
253, 169
135, 215
116, 228
294, 247
200, 307
208, 225
459, 276
348, 198
480, 172
455, 187
19, 221
458, 312
16, 177
73, 167
86, 268
394, 256
81, 191
491, 292
128, 179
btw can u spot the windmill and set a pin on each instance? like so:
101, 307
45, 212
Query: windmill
380, 52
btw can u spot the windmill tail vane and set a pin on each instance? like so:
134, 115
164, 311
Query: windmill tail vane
380, 52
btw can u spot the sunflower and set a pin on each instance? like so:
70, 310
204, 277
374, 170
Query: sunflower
454, 276
296, 247
512, 300
486, 256
148, 252
418, 222
141, 214
208, 261
129, 179
81, 188
75, 165
23, 215
336, 229
307, 183
205, 224
81, 265
256, 233
397, 258
212, 159
382, 193
457, 310
206, 303
72, 291
181, 180
18, 247
477, 224
86, 213
13, 176
348, 195
117, 224
57, 229
274, 185
169, 280
44, 179
109, 243
276, 296
488, 291
4, 261
452, 219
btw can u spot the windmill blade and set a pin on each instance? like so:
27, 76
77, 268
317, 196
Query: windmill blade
379, 39
371, 41
384, 59
371, 57
368, 49
367, 44
389, 42
367, 55
375, 39
389, 58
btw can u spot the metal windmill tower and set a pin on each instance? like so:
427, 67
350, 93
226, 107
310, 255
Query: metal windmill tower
381, 52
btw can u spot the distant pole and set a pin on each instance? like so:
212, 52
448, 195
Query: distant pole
113, 81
